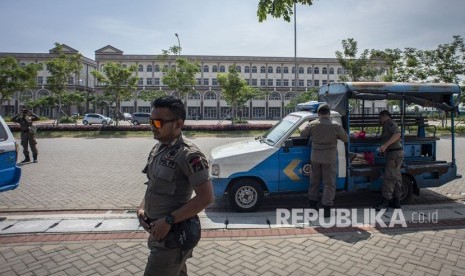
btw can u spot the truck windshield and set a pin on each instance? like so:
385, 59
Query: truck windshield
280, 129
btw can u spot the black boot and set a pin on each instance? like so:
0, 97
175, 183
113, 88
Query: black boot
395, 203
312, 205
34, 157
327, 211
26, 159
383, 204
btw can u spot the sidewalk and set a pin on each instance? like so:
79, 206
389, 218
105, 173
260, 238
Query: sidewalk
72, 245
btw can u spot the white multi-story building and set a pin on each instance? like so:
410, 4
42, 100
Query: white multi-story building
83, 81
274, 75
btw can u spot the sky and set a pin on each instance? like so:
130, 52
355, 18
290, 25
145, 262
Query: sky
226, 27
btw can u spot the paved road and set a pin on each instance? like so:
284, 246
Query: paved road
104, 173
77, 174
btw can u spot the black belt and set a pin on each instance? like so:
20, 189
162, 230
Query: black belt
396, 149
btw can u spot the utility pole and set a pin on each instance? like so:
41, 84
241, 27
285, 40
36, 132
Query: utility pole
295, 48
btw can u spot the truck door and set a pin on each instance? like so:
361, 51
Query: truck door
294, 159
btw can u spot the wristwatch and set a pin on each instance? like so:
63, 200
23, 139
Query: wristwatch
169, 219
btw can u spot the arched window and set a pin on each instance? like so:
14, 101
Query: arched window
246, 69
222, 70
289, 96
286, 70
270, 69
141, 68
309, 70
301, 70
157, 68
124, 66
262, 69
209, 95
149, 68
42, 94
278, 69
274, 96
238, 69
317, 71
331, 71
206, 69
339, 71
26, 95
194, 96
293, 70
214, 68
324, 71
254, 69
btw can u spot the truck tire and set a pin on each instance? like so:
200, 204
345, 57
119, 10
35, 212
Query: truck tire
407, 189
246, 195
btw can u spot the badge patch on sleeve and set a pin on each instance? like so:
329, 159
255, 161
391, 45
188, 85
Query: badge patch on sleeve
197, 163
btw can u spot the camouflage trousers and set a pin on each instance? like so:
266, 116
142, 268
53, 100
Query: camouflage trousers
28, 139
326, 173
392, 182
164, 261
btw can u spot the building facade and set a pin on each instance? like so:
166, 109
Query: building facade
82, 81
273, 75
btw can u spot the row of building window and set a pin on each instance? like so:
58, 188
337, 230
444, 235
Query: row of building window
252, 82
247, 69
209, 95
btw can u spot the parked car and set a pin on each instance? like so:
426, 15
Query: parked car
10, 173
127, 117
140, 118
94, 118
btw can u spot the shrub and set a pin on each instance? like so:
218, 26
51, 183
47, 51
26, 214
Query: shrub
213, 128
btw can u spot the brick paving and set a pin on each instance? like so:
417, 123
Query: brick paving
104, 173
362, 252
80, 174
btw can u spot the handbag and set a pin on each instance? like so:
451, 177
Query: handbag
185, 234
32, 129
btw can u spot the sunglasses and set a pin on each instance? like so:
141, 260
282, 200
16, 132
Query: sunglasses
158, 123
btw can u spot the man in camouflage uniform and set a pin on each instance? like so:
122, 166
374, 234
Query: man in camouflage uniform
28, 131
175, 169
392, 148
323, 134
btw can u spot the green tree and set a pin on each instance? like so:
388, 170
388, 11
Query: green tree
14, 78
150, 95
362, 68
448, 61
181, 77
310, 95
70, 99
118, 84
61, 69
235, 90
278, 8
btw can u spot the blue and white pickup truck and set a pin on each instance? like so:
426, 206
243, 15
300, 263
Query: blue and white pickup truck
278, 161
10, 173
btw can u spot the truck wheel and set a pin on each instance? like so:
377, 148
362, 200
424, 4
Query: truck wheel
246, 195
406, 189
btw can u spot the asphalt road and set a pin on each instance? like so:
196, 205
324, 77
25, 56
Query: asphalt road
105, 174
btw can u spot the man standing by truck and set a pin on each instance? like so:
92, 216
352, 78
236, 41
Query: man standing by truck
392, 148
323, 134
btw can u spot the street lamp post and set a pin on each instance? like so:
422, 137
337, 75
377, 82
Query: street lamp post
179, 43
295, 49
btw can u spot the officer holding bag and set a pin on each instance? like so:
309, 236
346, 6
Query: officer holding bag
175, 169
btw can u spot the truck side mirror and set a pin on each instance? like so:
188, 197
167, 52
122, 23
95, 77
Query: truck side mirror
288, 143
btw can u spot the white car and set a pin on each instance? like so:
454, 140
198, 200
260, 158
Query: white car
94, 118
10, 173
